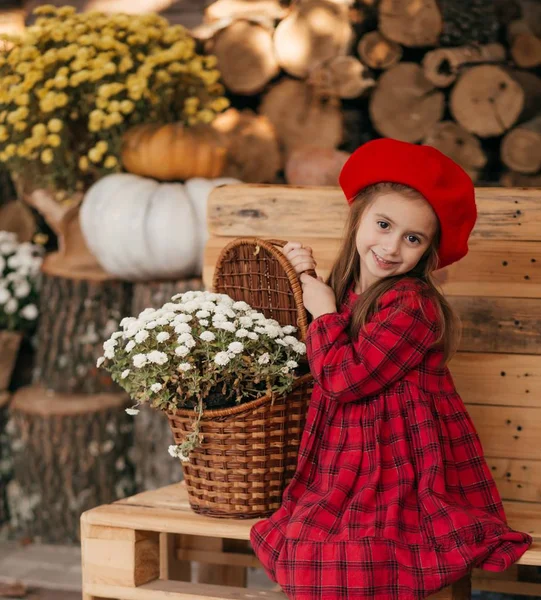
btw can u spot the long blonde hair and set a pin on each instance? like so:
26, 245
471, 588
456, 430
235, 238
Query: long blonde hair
346, 271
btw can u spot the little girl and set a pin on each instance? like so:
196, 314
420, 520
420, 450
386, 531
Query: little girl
392, 497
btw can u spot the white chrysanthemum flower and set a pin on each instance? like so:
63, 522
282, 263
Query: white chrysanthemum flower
130, 346
141, 336
182, 328
264, 359
109, 353
156, 387
299, 348
30, 312
184, 367
284, 370
235, 347
292, 364
151, 325
127, 321
22, 289
110, 343
5, 295
280, 342
208, 306
163, 336
207, 336
240, 305
202, 314
246, 321
132, 411
289, 329
162, 321
204, 322
182, 318
173, 448
182, 351
273, 331
191, 306
11, 306
124, 373
253, 336
222, 358
241, 333
157, 357
185, 337
290, 340
100, 361
219, 318
116, 335
139, 360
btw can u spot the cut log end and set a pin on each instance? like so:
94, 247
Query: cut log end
487, 100
253, 153
412, 23
245, 57
377, 52
405, 105
521, 147
315, 31
343, 76
460, 145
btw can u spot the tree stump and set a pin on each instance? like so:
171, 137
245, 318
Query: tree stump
514, 179
6, 464
154, 467
405, 105
488, 100
70, 454
460, 145
76, 317
343, 76
521, 147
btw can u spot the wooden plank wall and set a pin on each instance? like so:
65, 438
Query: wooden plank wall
496, 290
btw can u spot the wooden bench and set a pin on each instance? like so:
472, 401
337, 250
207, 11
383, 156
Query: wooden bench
139, 548
496, 290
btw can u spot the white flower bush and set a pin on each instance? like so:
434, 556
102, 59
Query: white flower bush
19, 280
201, 350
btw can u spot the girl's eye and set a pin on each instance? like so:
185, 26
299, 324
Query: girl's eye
383, 224
414, 239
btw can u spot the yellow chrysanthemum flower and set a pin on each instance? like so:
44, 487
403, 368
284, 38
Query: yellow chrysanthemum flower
110, 162
54, 140
95, 155
83, 163
55, 125
47, 156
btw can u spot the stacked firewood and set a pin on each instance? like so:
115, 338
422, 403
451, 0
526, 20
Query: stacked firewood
324, 76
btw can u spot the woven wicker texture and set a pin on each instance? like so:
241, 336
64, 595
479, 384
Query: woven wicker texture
249, 452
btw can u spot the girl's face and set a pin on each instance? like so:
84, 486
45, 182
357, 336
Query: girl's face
394, 233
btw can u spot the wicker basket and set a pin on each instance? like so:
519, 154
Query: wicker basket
249, 452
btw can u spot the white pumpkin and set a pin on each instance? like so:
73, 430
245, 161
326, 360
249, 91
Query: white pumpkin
140, 229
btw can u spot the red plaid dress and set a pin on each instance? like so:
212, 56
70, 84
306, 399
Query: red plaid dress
392, 497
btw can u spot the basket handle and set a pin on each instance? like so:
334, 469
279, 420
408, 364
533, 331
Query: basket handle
281, 244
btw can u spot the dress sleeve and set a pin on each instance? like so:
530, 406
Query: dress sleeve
392, 343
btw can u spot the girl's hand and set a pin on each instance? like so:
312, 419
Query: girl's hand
299, 256
317, 296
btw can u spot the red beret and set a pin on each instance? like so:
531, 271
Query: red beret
445, 185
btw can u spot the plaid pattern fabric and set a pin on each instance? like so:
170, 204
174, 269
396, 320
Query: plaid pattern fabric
392, 497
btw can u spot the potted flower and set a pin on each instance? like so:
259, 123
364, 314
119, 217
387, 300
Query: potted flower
214, 366
19, 276
74, 83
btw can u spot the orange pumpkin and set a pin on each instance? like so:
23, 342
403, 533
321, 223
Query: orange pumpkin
171, 151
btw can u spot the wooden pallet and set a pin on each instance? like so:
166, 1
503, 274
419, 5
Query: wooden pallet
140, 548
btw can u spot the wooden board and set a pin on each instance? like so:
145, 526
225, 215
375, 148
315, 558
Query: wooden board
507, 325
517, 479
508, 432
291, 212
503, 379
492, 267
